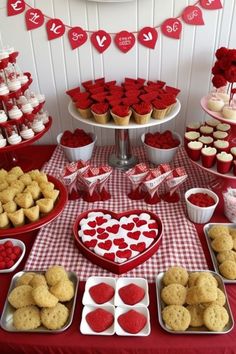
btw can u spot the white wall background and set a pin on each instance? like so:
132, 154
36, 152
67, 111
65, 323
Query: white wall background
185, 63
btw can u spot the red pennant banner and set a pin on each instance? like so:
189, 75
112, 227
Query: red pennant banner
15, 7
211, 4
124, 41
34, 18
55, 28
147, 36
172, 27
101, 40
77, 37
192, 15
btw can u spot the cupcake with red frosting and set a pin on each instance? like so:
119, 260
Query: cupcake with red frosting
121, 114
159, 109
101, 113
142, 112
84, 108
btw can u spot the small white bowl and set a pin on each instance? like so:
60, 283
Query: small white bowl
87, 299
158, 156
121, 282
23, 249
79, 153
121, 332
196, 214
86, 329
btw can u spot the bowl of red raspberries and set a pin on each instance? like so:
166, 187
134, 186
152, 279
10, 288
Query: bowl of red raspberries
12, 252
161, 147
77, 145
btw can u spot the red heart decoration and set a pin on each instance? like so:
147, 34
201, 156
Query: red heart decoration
100, 220
147, 36
139, 247
101, 293
99, 320
150, 234
124, 254
90, 232
211, 4
123, 245
15, 7
172, 27
103, 236
118, 241
55, 28
113, 229
132, 321
105, 245
110, 256
124, 40
140, 223
34, 18
135, 235
90, 244
192, 15
128, 226
153, 226
100, 40
77, 37
100, 230
92, 223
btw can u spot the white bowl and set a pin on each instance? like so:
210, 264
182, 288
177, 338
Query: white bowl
79, 153
158, 156
196, 214
23, 249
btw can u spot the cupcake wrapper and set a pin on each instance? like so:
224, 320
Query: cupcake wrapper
159, 113
142, 118
121, 120
85, 113
101, 118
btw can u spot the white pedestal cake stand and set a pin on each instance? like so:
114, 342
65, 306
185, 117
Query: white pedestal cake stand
122, 158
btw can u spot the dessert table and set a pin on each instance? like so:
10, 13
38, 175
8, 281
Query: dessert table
184, 244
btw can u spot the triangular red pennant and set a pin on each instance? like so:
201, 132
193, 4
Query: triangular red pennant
101, 40
147, 36
55, 28
172, 27
192, 15
15, 7
34, 18
124, 41
211, 4
77, 37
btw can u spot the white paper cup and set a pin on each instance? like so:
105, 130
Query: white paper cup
200, 215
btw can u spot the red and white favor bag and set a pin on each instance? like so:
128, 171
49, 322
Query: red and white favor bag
173, 182
136, 175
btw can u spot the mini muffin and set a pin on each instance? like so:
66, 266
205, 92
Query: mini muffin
174, 294
196, 313
215, 318
26, 179
17, 218
45, 205
34, 189
228, 269
217, 230
226, 256
176, 275
222, 243
10, 207
63, 290
24, 200
43, 298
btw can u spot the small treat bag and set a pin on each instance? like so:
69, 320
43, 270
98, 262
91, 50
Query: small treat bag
153, 181
136, 175
173, 182
230, 204
105, 172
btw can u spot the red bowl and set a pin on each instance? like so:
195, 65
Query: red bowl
118, 268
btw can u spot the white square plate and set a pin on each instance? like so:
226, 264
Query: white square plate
86, 329
121, 282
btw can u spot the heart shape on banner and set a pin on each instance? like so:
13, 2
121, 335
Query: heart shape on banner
192, 15
147, 36
34, 18
211, 4
118, 252
100, 40
77, 37
55, 28
124, 40
15, 7
172, 27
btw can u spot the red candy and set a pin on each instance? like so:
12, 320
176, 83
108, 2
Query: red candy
101, 293
99, 320
201, 199
131, 294
161, 140
132, 321
9, 254
76, 139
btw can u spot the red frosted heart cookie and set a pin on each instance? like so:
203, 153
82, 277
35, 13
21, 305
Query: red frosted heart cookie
132, 321
99, 320
131, 294
101, 293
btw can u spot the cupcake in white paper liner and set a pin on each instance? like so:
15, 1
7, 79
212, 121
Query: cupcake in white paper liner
230, 204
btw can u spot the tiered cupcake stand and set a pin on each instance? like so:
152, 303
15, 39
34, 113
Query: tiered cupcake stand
122, 158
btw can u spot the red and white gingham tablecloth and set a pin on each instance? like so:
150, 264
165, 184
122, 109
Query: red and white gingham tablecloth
180, 244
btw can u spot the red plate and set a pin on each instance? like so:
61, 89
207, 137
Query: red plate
59, 206
112, 266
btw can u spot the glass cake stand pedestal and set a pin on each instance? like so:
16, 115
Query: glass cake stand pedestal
122, 157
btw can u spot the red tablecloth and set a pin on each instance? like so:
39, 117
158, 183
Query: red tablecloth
71, 341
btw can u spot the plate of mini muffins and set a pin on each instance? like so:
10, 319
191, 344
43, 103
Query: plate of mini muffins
28, 200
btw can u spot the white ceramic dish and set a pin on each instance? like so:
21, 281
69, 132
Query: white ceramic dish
121, 282
141, 309
15, 243
86, 329
91, 281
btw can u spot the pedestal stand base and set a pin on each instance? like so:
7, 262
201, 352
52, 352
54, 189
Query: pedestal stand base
123, 164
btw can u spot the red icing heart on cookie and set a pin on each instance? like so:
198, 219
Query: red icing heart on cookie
103, 236
92, 223
128, 226
110, 256
118, 241
105, 245
150, 234
123, 245
91, 244
139, 247
90, 232
124, 254
135, 235
100, 230
100, 220
140, 223
113, 229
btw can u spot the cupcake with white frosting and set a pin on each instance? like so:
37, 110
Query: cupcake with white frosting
27, 108
15, 113
220, 135
221, 145
223, 127
26, 132
212, 122
3, 89
33, 101
3, 116
215, 104
14, 85
206, 140
37, 125
208, 156
43, 115
23, 79
193, 126
40, 97
229, 112
224, 162
14, 138
206, 130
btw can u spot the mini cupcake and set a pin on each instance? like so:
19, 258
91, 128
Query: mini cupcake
101, 113
15, 113
221, 145
159, 109
229, 112
4, 91
26, 132
27, 108
190, 136
3, 116
215, 104
223, 127
84, 108
121, 114
223, 96
193, 127
208, 155
212, 122
3, 141
14, 138
206, 140
233, 151
224, 162
37, 125
194, 150
14, 85
220, 135
142, 112
206, 130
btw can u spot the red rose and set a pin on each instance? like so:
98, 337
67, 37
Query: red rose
142, 108
100, 108
221, 52
219, 81
225, 63
232, 55
216, 69
230, 74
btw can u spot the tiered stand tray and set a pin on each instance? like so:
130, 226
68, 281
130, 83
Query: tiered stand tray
122, 158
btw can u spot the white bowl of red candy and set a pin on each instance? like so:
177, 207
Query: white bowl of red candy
77, 145
161, 147
12, 252
201, 204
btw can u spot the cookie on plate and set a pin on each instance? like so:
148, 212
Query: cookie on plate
200, 294
174, 294
217, 230
25, 278
196, 313
63, 290
55, 317
43, 298
176, 317
226, 256
206, 279
175, 275
21, 296
26, 318
222, 243
37, 280
215, 318
228, 269
54, 274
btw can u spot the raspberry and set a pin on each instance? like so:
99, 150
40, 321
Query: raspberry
17, 250
8, 244
9, 264
2, 265
9, 250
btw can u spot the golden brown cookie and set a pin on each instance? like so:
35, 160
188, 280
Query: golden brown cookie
26, 318
226, 256
175, 275
174, 294
16, 170
196, 313
32, 213
54, 274
228, 269
206, 279
222, 243
26, 179
55, 317
43, 298
215, 318
21, 296
220, 300
200, 294
192, 278
34, 189
37, 280
24, 200
10, 207
25, 278
45, 205
17, 218
18, 185
217, 230
63, 290
176, 317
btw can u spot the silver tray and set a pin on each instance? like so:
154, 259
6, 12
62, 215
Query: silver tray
7, 315
193, 330
213, 253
